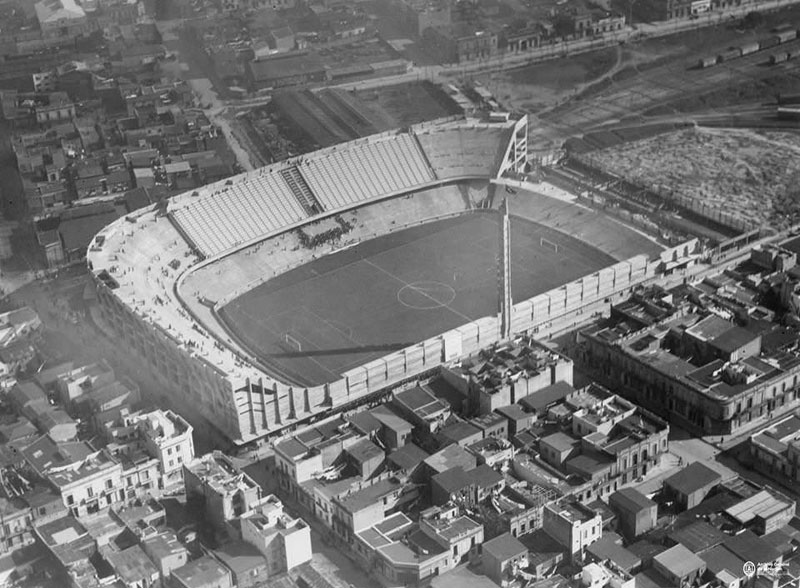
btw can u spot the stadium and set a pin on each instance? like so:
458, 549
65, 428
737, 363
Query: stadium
281, 295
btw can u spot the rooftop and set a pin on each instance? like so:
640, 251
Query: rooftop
45, 454
369, 495
421, 402
205, 571
391, 419
561, 442
631, 500
132, 564
541, 399
458, 432
365, 450
451, 456
609, 547
749, 546
164, 544
504, 547
692, 478
698, 536
456, 479
91, 466
763, 504
240, 557
679, 561
216, 470
720, 559
408, 456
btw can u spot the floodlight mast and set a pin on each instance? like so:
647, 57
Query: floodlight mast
504, 272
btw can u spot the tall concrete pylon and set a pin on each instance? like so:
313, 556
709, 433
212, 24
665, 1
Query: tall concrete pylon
505, 304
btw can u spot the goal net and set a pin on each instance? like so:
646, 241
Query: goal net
545, 244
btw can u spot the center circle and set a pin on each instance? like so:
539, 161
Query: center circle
426, 295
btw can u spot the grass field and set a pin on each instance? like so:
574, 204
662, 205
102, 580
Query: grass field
343, 310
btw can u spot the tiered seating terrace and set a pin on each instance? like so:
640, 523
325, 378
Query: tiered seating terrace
241, 212
365, 169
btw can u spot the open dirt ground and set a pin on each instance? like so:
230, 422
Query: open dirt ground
752, 174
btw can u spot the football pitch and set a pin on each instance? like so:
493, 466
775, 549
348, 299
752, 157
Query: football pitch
319, 320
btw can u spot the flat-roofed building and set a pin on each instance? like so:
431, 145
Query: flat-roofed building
609, 548
469, 487
204, 572
87, 480
420, 407
224, 491
573, 525
461, 433
679, 566
636, 513
370, 503
407, 458
706, 394
448, 458
365, 457
502, 557
395, 430
506, 373
492, 424
83, 380
132, 566
284, 542
247, 564
776, 450
517, 417
166, 552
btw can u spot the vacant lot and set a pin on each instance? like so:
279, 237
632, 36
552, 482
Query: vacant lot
754, 175
408, 104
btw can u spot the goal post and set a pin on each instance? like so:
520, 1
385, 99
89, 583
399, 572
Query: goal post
545, 244
292, 341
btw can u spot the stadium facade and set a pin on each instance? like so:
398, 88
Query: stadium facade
146, 267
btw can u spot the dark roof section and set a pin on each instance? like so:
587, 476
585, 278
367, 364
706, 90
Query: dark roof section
408, 457
631, 500
504, 547
699, 536
692, 478
548, 395
750, 547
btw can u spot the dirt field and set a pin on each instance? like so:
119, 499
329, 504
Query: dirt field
539, 86
408, 104
752, 174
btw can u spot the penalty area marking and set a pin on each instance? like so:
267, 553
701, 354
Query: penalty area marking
426, 295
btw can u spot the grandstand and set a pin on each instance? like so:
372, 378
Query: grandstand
162, 278
364, 169
464, 151
259, 205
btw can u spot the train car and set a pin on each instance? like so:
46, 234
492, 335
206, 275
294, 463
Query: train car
789, 99
769, 42
776, 58
728, 55
708, 62
787, 35
749, 48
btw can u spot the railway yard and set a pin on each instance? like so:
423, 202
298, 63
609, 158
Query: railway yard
658, 81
